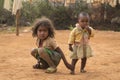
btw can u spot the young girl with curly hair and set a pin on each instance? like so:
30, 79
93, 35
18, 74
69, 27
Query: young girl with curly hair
48, 53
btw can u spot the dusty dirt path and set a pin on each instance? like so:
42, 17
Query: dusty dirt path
16, 61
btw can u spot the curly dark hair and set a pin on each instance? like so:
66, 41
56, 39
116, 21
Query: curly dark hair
46, 22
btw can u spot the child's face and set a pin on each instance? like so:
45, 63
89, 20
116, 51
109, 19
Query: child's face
42, 32
83, 21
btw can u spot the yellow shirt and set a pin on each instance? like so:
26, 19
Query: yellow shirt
49, 43
77, 33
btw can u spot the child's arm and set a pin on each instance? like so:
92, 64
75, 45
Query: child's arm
70, 47
71, 39
63, 58
90, 31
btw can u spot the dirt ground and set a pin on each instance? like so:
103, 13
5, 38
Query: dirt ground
16, 62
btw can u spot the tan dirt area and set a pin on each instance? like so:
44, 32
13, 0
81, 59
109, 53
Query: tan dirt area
16, 62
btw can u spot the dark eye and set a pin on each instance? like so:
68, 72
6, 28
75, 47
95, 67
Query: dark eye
45, 30
39, 30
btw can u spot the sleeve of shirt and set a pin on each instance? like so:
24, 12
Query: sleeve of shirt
92, 32
53, 43
71, 37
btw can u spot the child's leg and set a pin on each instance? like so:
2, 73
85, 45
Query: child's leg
45, 56
34, 53
83, 63
74, 61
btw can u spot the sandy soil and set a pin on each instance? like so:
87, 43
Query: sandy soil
16, 61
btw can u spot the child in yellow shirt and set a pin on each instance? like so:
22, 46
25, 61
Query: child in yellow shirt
79, 41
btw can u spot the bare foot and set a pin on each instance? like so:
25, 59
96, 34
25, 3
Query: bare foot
83, 71
72, 72
36, 66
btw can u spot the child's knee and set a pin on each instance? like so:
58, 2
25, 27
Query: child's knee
34, 51
41, 50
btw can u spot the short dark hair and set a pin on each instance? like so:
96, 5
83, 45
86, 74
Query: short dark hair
46, 23
83, 14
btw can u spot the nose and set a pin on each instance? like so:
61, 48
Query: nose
85, 23
42, 32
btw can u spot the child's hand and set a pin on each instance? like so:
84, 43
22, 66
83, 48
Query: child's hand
69, 66
89, 30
